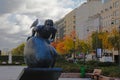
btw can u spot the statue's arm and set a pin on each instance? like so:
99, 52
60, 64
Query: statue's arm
53, 31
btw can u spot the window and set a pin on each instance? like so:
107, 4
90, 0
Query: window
101, 11
116, 4
110, 7
116, 13
106, 9
116, 21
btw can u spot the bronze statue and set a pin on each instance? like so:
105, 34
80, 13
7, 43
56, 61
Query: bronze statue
38, 51
46, 31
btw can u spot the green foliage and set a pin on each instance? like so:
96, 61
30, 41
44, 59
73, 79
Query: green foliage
67, 67
100, 64
105, 64
18, 59
96, 41
18, 51
113, 70
14, 59
83, 46
114, 40
4, 58
92, 63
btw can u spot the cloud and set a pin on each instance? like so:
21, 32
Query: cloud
15, 28
16, 16
44, 9
8, 6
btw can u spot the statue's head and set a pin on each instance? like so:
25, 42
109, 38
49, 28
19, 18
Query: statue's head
48, 22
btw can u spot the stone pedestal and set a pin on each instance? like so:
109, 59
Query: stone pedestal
40, 74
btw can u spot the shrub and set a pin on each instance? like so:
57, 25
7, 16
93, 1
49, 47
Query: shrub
93, 63
4, 58
112, 71
14, 59
105, 64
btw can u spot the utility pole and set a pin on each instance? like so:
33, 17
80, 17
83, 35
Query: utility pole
119, 45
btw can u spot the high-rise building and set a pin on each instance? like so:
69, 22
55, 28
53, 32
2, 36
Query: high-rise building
110, 18
70, 20
110, 15
104, 1
84, 17
60, 25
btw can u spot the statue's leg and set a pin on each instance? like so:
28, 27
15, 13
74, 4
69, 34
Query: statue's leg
33, 32
53, 63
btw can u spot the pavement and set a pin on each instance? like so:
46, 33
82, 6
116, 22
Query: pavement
12, 72
74, 79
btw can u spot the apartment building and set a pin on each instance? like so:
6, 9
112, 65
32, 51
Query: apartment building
85, 17
110, 14
94, 23
60, 25
70, 20
110, 18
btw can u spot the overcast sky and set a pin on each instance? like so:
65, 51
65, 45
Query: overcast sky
16, 16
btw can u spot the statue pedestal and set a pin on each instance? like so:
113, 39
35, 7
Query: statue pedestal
40, 74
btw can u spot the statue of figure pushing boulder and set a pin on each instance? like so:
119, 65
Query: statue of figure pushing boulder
39, 54
38, 51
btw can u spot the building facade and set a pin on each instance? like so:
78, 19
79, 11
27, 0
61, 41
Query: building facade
84, 15
110, 18
60, 25
110, 15
70, 20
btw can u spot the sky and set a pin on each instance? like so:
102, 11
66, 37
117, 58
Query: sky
16, 17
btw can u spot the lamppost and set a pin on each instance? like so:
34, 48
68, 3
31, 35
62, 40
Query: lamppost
74, 40
87, 40
87, 47
119, 46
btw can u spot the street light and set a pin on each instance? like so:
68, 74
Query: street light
87, 39
119, 46
87, 46
74, 48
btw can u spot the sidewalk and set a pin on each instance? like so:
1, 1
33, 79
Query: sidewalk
12, 72
74, 79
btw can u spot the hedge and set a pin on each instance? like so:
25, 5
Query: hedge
14, 59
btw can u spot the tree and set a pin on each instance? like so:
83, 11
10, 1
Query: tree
18, 50
114, 38
84, 46
66, 45
104, 37
54, 44
96, 41
60, 48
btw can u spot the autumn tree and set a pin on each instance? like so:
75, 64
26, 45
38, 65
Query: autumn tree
61, 48
104, 36
114, 38
96, 41
18, 51
66, 45
54, 44
84, 46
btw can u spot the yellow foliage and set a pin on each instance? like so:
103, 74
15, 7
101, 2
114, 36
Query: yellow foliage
68, 42
104, 37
